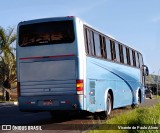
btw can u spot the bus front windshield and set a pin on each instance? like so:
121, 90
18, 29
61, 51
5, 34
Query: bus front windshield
54, 32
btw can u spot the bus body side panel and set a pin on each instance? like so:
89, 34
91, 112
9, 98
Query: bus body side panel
103, 75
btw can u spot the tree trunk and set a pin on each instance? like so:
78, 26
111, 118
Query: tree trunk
4, 94
7, 95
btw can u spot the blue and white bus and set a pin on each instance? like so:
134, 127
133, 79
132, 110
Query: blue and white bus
65, 65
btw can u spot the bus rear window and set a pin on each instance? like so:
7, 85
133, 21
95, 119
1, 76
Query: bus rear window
55, 32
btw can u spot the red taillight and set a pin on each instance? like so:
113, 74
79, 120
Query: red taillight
18, 89
79, 86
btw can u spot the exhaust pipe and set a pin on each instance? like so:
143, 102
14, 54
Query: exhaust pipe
74, 106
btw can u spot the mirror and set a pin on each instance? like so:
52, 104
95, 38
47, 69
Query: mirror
146, 70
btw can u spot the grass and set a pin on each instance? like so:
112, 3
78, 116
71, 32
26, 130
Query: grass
157, 97
139, 117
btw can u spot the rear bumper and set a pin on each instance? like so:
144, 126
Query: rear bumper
64, 102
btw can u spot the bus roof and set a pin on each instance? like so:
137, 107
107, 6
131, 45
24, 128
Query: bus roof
71, 18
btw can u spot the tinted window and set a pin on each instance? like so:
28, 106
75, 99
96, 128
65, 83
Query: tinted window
131, 57
89, 41
46, 33
108, 48
128, 56
140, 60
97, 44
137, 59
113, 53
117, 52
103, 47
134, 58
121, 53
124, 55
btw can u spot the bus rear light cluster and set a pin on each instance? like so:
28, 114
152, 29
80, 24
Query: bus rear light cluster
30, 102
79, 87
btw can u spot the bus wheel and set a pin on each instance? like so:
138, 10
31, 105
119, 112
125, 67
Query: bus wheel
109, 104
139, 101
107, 112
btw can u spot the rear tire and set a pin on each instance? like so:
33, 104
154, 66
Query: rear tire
139, 101
109, 104
105, 114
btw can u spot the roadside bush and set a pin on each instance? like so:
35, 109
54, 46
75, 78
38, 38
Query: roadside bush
142, 117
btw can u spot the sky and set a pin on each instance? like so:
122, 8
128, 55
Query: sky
135, 23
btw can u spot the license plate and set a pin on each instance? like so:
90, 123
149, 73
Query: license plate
47, 102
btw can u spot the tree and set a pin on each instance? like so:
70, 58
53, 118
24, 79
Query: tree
150, 79
7, 57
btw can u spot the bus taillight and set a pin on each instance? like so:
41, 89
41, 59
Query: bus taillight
79, 86
18, 89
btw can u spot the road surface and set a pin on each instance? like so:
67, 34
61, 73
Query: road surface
10, 115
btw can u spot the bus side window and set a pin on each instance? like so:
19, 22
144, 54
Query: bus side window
97, 44
128, 56
137, 59
91, 49
103, 47
108, 48
113, 53
87, 41
131, 57
124, 55
134, 58
117, 52
140, 60
121, 53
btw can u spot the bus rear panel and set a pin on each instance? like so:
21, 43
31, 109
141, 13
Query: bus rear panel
47, 66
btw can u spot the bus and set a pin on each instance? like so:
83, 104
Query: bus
65, 65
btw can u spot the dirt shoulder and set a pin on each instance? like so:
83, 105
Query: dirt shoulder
150, 102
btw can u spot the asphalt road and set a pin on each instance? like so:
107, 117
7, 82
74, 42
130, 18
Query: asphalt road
10, 115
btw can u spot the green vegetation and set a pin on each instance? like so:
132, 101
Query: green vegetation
139, 117
156, 97
7, 57
151, 79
